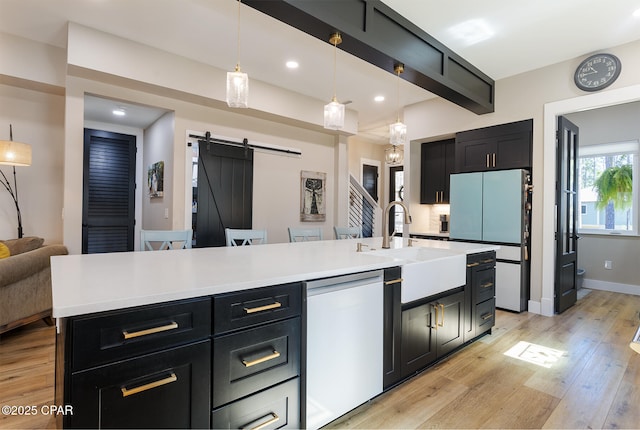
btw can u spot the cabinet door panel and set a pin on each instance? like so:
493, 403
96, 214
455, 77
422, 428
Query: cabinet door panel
392, 327
451, 323
168, 389
474, 155
431, 172
275, 408
418, 338
255, 359
466, 206
117, 335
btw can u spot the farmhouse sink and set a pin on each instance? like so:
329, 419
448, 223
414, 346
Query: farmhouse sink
427, 271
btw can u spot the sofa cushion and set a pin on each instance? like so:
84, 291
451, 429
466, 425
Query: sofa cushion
4, 251
25, 244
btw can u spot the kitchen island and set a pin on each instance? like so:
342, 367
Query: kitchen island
137, 332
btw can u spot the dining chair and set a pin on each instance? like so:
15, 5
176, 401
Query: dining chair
304, 234
242, 237
347, 232
167, 239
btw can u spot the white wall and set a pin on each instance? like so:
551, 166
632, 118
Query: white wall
157, 212
37, 119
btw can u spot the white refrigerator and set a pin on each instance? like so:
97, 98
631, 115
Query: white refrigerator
494, 207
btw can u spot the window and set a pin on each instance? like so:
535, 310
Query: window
609, 170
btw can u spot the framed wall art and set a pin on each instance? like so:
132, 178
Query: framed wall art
312, 196
155, 179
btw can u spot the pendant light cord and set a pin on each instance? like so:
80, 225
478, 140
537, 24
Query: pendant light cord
398, 71
335, 59
238, 54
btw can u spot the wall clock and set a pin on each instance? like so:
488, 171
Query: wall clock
597, 72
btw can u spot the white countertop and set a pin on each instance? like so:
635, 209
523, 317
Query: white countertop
84, 284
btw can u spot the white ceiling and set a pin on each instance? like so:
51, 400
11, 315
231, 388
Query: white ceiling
523, 36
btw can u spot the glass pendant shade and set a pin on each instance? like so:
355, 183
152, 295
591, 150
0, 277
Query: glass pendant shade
394, 155
237, 89
15, 153
397, 133
334, 115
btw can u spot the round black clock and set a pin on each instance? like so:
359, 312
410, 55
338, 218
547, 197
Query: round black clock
597, 72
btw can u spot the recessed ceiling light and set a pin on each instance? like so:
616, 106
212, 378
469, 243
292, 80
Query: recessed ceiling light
291, 64
119, 112
379, 98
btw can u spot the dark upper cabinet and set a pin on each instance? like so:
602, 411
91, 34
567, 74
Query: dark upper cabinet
437, 163
500, 147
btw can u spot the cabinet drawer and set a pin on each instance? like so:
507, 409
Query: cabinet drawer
485, 315
169, 389
255, 359
486, 286
117, 335
481, 258
277, 407
234, 311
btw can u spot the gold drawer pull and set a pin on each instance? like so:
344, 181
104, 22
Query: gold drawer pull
490, 260
128, 392
486, 317
487, 285
172, 326
263, 308
473, 264
275, 354
274, 418
393, 281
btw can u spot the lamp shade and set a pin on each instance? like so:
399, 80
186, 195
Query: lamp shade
334, 115
237, 89
15, 153
397, 133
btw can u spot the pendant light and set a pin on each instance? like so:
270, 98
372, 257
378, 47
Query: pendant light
238, 82
397, 130
334, 111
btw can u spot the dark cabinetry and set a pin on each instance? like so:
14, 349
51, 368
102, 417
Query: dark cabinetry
141, 367
256, 358
480, 294
437, 163
506, 146
431, 330
392, 327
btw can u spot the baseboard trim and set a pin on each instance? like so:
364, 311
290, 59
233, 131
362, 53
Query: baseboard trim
615, 287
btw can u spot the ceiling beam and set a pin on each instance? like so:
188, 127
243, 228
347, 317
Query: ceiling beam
377, 34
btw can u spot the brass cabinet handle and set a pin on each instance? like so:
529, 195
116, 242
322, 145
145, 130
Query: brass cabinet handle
489, 260
128, 392
473, 264
487, 160
274, 418
442, 310
393, 281
435, 308
436, 197
494, 159
130, 335
263, 308
487, 285
486, 316
275, 354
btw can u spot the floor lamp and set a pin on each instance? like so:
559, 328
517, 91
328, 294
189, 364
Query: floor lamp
14, 154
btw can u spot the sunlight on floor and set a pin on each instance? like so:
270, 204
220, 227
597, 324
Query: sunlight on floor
536, 354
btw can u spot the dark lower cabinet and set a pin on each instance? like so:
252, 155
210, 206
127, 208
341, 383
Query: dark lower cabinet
480, 294
168, 389
392, 327
431, 330
275, 408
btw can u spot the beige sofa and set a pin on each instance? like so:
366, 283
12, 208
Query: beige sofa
25, 282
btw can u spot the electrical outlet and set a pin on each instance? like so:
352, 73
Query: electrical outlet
166, 213
608, 264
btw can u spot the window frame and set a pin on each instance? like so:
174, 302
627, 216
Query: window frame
631, 147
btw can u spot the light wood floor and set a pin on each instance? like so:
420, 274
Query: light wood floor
592, 379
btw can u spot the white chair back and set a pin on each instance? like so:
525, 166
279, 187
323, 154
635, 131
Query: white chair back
242, 237
347, 232
304, 234
149, 239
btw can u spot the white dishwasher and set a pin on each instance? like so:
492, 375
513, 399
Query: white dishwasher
344, 344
